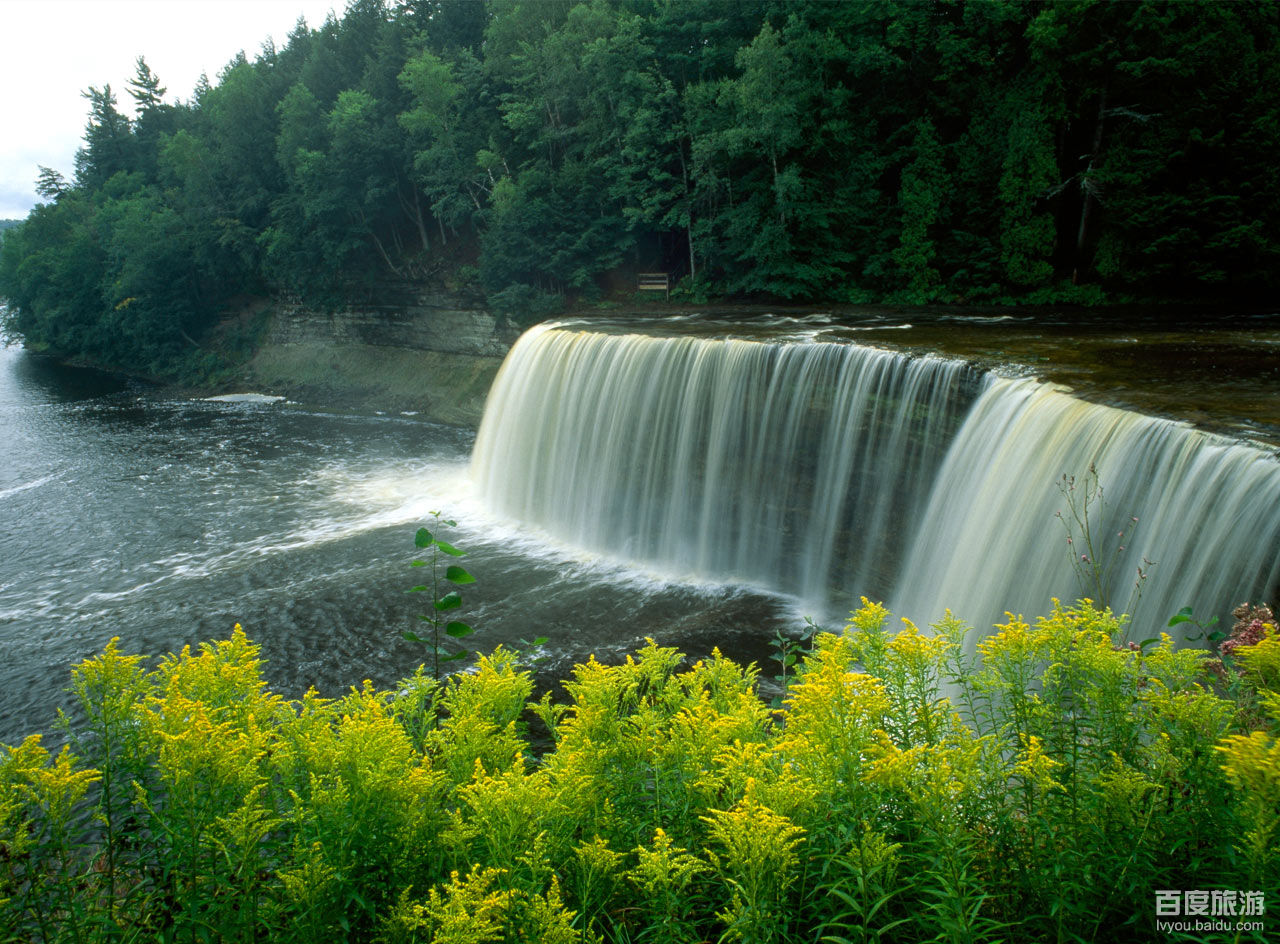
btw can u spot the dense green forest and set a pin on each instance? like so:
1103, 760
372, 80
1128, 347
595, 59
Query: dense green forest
537, 150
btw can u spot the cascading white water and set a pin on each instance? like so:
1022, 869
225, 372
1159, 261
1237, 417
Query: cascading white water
791, 466
833, 470
1207, 510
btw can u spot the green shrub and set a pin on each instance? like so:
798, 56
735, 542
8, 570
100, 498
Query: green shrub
900, 793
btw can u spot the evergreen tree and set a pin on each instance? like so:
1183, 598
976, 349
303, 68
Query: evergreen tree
144, 87
108, 145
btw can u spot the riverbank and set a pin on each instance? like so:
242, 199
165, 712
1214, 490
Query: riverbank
407, 351
449, 388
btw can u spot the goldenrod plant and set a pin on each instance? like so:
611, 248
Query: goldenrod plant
1045, 790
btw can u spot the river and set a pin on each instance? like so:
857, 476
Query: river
128, 511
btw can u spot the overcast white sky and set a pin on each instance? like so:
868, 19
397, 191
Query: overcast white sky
52, 50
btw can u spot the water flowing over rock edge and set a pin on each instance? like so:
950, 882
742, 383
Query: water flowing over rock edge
831, 470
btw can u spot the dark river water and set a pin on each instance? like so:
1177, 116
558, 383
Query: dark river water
128, 511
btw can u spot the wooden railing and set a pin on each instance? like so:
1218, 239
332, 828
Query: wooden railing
654, 282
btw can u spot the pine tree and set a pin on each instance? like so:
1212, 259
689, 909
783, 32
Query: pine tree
144, 87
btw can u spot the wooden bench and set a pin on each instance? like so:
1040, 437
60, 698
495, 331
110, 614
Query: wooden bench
654, 282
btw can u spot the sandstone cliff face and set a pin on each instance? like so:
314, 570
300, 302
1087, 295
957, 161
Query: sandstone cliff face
420, 320
410, 350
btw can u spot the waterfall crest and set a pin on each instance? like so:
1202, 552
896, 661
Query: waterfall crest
791, 466
832, 470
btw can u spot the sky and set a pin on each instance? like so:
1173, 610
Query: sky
52, 50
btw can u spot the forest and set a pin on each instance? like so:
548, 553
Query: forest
541, 152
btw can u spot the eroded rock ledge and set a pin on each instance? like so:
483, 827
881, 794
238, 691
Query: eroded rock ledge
409, 350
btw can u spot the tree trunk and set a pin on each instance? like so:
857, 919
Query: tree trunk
688, 224
1088, 200
383, 252
417, 218
777, 195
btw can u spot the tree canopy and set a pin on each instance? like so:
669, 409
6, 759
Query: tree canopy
916, 151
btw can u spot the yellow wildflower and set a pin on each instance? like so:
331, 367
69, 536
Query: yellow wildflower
1034, 766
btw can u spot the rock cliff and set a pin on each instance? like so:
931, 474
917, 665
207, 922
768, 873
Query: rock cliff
405, 350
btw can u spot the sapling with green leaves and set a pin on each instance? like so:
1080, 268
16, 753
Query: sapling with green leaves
788, 651
441, 603
1207, 632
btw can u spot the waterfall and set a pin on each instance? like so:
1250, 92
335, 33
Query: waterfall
832, 470
1207, 510
795, 467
